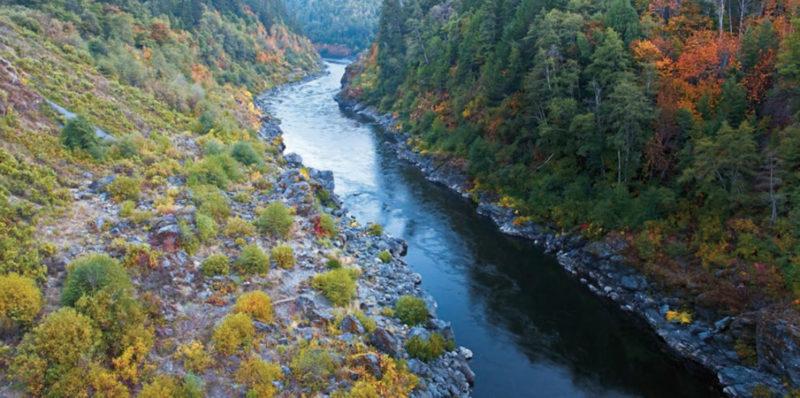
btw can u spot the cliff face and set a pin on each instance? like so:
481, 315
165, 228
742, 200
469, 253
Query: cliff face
156, 242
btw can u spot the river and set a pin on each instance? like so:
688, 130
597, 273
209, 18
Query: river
535, 331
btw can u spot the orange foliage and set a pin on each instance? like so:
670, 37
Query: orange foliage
701, 67
201, 74
759, 80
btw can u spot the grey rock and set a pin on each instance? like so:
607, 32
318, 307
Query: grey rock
385, 341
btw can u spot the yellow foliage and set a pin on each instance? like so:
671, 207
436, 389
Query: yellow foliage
20, 300
682, 317
194, 356
235, 333
257, 304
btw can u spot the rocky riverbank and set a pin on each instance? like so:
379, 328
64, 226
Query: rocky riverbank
381, 284
707, 341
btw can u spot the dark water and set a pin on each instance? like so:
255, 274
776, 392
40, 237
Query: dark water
535, 331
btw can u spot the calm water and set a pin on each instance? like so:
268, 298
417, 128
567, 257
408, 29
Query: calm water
535, 331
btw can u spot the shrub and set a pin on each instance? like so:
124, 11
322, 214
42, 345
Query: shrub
375, 229
258, 375
125, 188
427, 350
333, 262
239, 228
411, 310
188, 239
211, 201
252, 260
385, 256
244, 153
325, 226
283, 256
161, 387
78, 134
206, 227
91, 273
369, 324
194, 356
64, 341
20, 300
313, 366
215, 264
234, 334
276, 220
257, 304
338, 285
140, 255
218, 170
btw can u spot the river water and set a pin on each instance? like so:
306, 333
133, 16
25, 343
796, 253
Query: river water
535, 331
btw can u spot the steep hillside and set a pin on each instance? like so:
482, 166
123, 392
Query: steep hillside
667, 128
156, 242
338, 28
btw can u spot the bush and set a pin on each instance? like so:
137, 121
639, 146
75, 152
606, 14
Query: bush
234, 334
63, 342
188, 239
125, 188
206, 227
325, 226
218, 170
276, 220
252, 260
244, 153
283, 256
254, 372
140, 255
257, 304
91, 273
161, 387
20, 300
313, 366
369, 324
194, 356
427, 350
375, 229
239, 228
211, 201
78, 134
385, 256
338, 285
411, 310
215, 264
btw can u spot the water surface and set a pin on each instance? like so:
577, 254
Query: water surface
535, 331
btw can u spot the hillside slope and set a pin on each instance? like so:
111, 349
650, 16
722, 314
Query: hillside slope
338, 28
667, 129
155, 241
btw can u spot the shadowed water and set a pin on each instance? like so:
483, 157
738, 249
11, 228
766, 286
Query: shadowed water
535, 331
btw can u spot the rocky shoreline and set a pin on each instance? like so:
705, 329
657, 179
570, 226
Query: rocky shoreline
598, 265
379, 287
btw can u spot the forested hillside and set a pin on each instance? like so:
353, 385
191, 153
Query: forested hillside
338, 28
153, 239
670, 123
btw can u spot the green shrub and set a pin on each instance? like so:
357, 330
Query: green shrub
411, 310
211, 201
252, 261
313, 366
254, 372
283, 256
194, 356
188, 239
427, 350
325, 226
20, 300
218, 170
257, 304
91, 273
239, 228
276, 220
78, 134
244, 153
215, 264
375, 229
125, 188
234, 334
385, 256
64, 342
206, 227
333, 262
338, 285
369, 324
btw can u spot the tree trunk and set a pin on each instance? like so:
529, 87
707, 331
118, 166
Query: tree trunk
721, 16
